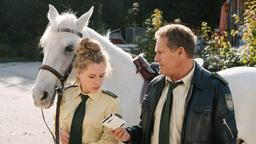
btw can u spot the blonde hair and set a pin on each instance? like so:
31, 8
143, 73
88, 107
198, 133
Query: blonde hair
90, 51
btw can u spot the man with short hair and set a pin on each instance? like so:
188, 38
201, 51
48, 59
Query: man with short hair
186, 103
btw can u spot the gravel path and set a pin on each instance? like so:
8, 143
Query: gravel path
20, 121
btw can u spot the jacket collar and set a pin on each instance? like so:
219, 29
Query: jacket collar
199, 79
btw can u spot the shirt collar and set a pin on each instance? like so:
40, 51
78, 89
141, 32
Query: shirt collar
93, 96
187, 79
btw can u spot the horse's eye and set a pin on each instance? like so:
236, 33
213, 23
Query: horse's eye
69, 48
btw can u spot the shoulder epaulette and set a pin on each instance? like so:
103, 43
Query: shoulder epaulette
217, 76
109, 93
69, 86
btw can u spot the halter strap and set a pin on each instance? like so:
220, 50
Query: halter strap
53, 71
56, 73
70, 31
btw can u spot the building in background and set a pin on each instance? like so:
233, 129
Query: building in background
227, 22
130, 43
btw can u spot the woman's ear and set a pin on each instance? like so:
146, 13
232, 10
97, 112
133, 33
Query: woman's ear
77, 74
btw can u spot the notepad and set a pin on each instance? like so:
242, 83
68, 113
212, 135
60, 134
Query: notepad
113, 121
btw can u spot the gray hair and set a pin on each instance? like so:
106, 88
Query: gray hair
178, 36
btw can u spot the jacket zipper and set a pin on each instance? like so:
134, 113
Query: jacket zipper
228, 128
187, 105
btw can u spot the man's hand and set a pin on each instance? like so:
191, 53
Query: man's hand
121, 134
64, 137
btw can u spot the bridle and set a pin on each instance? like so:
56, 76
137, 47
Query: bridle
59, 90
52, 70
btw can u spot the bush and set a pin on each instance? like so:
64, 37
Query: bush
249, 50
218, 54
5, 49
147, 44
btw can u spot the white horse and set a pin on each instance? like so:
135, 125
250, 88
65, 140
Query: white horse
65, 30
242, 85
58, 53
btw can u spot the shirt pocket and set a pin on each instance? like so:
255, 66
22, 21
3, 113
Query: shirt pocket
67, 111
202, 110
93, 121
65, 120
65, 115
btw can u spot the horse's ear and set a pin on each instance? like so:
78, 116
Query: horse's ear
84, 19
52, 13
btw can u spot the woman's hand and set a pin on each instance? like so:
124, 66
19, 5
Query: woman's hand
121, 134
64, 137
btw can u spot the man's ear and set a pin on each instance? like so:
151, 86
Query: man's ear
181, 51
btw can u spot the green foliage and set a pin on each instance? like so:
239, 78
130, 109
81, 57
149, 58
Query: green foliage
132, 15
192, 12
249, 50
23, 22
20, 29
218, 54
98, 23
147, 44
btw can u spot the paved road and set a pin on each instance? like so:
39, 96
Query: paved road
20, 121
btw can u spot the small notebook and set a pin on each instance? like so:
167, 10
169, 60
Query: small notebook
113, 121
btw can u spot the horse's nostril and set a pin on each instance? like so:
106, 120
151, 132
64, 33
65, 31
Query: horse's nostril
45, 95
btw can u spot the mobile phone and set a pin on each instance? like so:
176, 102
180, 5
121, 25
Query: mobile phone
113, 121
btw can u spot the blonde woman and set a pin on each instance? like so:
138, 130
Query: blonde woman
85, 104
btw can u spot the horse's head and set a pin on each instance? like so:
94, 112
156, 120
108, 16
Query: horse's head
58, 41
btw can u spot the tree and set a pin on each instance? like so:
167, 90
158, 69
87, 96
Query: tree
249, 36
147, 44
191, 12
218, 54
23, 22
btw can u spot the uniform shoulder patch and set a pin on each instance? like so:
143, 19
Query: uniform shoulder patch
70, 86
229, 102
217, 76
109, 93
